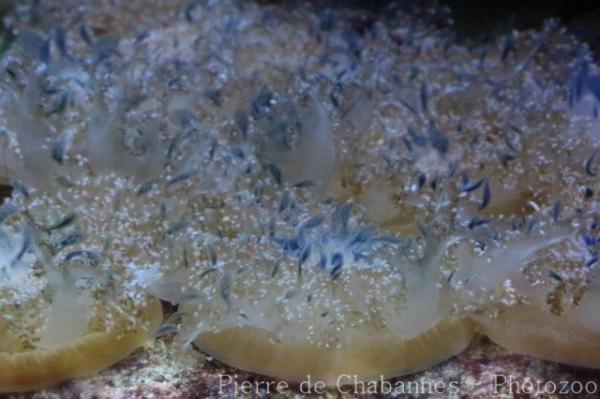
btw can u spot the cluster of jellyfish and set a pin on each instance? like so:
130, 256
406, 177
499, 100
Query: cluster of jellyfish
318, 192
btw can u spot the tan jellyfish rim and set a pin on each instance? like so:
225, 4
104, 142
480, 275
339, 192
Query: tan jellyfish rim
368, 356
36, 369
519, 330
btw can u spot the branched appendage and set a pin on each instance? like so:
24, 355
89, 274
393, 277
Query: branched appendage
66, 256
286, 272
313, 180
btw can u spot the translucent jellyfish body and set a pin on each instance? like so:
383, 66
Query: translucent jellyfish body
532, 277
62, 316
322, 193
537, 299
323, 294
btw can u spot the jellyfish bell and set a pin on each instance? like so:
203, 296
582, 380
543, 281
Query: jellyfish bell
571, 337
28, 367
56, 324
547, 312
535, 331
367, 353
218, 172
329, 296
